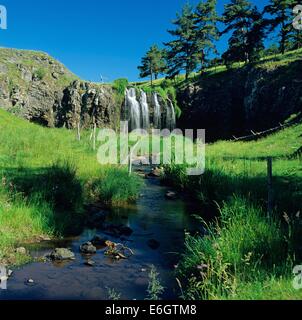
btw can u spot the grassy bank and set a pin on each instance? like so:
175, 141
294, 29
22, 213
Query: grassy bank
246, 255
47, 178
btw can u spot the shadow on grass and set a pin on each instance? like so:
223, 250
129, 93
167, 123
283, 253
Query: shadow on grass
57, 186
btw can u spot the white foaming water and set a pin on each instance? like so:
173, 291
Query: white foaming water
145, 111
171, 117
133, 107
157, 112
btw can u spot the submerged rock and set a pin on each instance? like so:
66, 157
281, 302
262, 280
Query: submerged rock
60, 254
97, 219
171, 195
155, 173
88, 248
118, 230
90, 263
98, 241
153, 244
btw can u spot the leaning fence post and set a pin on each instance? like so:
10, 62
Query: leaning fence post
270, 186
130, 160
79, 131
94, 136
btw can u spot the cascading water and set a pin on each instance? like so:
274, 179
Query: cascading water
170, 117
133, 108
157, 112
145, 111
138, 112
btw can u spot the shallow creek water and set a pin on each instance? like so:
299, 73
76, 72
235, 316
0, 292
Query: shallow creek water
152, 217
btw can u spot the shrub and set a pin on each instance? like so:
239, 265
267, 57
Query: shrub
155, 289
115, 187
120, 85
40, 73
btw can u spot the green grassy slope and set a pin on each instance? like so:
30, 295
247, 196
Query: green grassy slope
247, 255
269, 62
47, 177
280, 144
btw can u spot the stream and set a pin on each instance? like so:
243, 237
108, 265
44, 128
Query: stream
152, 217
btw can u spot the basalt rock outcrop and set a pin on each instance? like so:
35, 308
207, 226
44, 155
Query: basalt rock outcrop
234, 102
40, 89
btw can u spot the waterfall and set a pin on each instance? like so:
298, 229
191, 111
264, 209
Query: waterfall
138, 112
170, 117
133, 107
145, 111
157, 112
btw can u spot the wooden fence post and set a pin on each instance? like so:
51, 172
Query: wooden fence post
130, 160
94, 136
270, 186
79, 131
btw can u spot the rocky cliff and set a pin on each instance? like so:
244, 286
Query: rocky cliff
236, 101
38, 88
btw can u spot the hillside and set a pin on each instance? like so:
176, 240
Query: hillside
38, 88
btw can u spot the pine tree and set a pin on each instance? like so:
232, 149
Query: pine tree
153, 63
256, 35
236, 17
282, 13
206, 31
181, 53
296, 36
248, 28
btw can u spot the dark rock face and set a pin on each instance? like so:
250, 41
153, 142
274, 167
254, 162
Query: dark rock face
86, 102
237, 101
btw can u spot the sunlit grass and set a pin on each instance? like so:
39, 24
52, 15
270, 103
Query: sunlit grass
46, 175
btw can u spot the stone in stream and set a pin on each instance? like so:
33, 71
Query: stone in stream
88, 248
126, 231
118, 230
153, 244
90, 263
97, 219
155, 173
30, 282
171, 195
60, 254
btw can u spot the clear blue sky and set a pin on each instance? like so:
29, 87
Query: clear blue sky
94, 37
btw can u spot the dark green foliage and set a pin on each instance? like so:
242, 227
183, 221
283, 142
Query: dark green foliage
182, 53
206, 30
248, 31
153, 63
282, 16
